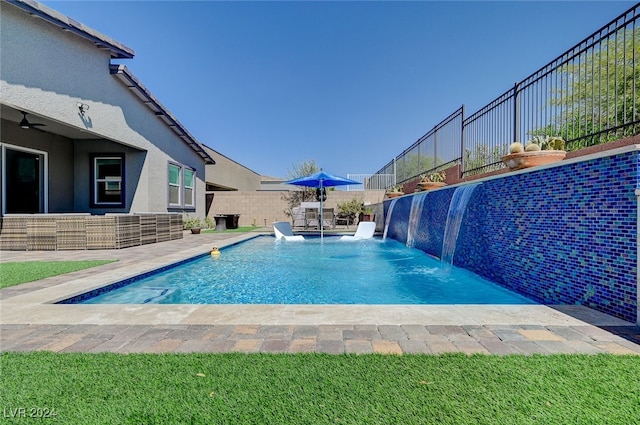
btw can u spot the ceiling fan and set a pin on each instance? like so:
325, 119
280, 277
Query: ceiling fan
26, 124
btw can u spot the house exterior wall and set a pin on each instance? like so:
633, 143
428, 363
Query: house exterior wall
46, 71
136, 201
60, 153
229, 174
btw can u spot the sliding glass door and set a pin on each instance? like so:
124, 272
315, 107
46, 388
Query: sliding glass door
23, 180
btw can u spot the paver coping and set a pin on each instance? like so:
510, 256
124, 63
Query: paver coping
29, 319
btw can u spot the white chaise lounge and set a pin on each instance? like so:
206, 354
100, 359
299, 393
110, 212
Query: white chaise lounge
282, 230
365, 230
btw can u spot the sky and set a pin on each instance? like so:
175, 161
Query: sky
348, 85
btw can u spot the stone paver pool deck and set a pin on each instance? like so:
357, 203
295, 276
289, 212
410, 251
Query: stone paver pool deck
30, 321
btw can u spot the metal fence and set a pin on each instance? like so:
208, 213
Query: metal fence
589, 95
435, 150
370, 181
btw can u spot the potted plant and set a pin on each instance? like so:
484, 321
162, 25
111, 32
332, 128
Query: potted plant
348, 210
539, 150
432, 181
366, 214
194, 224
394, 191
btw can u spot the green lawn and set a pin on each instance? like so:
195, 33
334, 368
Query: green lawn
28, 271
239, 229
322, 389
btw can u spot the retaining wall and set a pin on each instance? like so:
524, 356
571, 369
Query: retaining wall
566, 233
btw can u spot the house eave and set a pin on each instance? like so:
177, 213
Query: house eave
122, 73
101, 41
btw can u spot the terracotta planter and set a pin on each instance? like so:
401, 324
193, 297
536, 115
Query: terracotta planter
517, 161
366, 217
431, 185
393, 194
195, 230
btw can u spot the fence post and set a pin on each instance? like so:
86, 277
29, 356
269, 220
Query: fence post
395, 171
435, 150
516, 113
462, 145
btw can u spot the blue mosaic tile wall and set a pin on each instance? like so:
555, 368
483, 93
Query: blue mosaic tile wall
562, 235
431, 224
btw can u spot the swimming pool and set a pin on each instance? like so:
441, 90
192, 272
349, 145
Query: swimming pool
265, 271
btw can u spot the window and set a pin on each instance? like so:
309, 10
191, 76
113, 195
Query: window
107, 180
189, 185
182, 184
174, 185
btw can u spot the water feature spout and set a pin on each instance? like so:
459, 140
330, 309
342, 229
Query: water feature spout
417, 205
388, 219
457, 208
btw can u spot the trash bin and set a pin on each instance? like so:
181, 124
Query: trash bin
221, 222
232, 221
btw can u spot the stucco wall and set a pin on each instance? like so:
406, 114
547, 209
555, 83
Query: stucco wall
46, 71
229, 174
136, 200
267, 207
60, 152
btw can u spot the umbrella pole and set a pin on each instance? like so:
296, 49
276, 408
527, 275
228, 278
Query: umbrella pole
321, 215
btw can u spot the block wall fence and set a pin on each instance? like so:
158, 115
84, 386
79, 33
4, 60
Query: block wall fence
268, 206
565, 233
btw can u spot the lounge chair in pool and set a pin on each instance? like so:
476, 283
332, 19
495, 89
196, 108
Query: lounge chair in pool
365, 230
282, 230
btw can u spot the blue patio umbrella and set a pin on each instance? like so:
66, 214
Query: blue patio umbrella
319, 181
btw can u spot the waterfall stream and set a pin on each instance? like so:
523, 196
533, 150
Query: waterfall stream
388, 219
457, 208
417, 205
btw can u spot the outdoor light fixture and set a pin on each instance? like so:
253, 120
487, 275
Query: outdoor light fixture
82, 107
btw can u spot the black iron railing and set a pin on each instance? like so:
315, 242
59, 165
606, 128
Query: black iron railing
589, 95
435, 150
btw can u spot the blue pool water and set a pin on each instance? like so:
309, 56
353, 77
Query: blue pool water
265, 271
